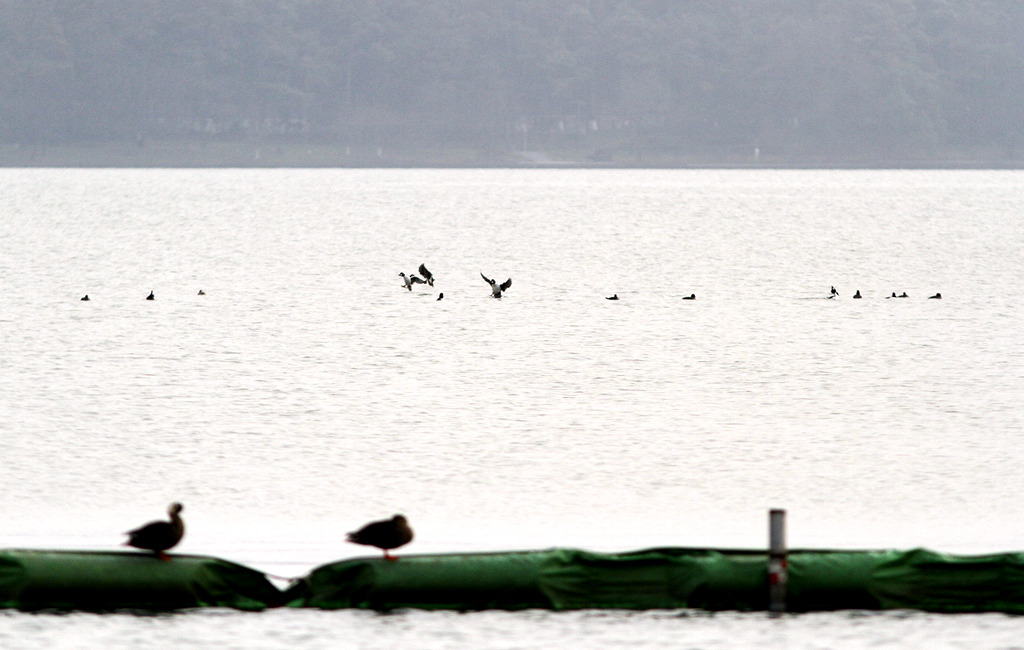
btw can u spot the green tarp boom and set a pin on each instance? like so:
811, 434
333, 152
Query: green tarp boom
557, 579
564, 579
106, 581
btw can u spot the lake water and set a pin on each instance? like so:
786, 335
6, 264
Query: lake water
308, 392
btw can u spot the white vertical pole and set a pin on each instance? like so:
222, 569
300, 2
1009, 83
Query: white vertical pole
777, 566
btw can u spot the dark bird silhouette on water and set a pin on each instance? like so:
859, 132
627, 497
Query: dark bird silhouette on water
410, 280
440, 296
201, 293
496, 288
150, 296
857, 295
85, 297
692, 296
903, 295
427, 275
615, 297
385, 535
158, 536
936, 296
834, 292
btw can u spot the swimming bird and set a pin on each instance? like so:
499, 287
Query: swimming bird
150, 296
201, 293
903, 295
938, 295
496, 288
615, 297
159, 536
427, 275
385, 534
692, 296
892, 296
440, 296
410, 280
85, 297
834, 292
857, 295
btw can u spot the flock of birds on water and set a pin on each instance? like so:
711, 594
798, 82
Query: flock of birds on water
151, 296
408, 281
387, 534
857, 296
161, 536
428, 279
497, 289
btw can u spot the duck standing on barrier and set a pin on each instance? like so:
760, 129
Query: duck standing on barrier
385, 535
158, 536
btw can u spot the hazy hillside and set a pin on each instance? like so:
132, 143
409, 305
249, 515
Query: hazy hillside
629, 82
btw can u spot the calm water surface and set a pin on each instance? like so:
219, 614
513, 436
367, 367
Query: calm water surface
308, 392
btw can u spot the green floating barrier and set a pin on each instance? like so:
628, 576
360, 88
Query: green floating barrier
922, 579
668, 578
916, 579
556, 579
559, 579
106, 581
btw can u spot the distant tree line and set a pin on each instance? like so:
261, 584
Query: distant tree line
803, 79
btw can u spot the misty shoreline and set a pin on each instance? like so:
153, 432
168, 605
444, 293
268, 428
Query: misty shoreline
559, 83
259, 156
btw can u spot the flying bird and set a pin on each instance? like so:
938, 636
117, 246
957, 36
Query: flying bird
385, 534
159, 536
427, 275
410, 280
496, 288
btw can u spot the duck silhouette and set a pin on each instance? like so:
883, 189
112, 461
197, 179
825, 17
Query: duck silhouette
158, 536
150, 296
386, 534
